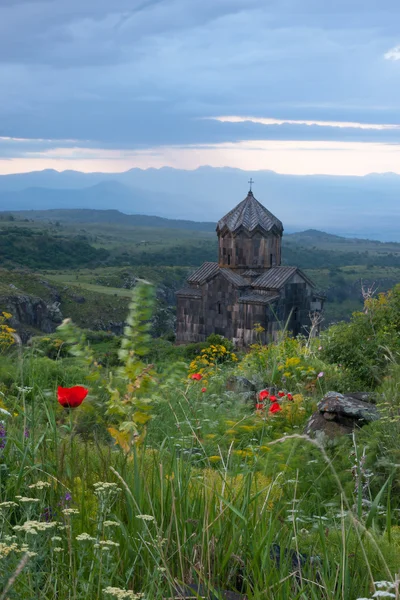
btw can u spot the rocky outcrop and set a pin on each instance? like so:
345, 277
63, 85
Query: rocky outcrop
31, 313
339, 414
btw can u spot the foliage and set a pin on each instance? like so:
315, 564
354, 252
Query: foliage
6, 332
210, 358
41, 250
365, 346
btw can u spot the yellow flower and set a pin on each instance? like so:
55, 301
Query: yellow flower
265, 448
231, 432
214, 459
210, 436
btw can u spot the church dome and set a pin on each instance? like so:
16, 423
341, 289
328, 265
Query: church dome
250, 215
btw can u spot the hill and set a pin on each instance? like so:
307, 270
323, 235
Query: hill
364, 207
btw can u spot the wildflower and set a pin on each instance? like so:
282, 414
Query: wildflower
111, 524
121, 594
26, 500
108, 543
71, 397
259, 406
3, 436
196, 376
70, 511
203, 389
8, 504
281, 394
275, 407
57, 549
26, 433
67, 497
321, 374
56, 538
5, 412
263, 394
145, 517
319, 347
39, 485
85, 537
214, 459
273, 399
289, 397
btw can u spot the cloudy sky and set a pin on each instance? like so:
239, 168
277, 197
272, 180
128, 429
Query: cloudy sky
296, 86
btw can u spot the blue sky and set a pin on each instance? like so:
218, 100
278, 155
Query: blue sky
296, 86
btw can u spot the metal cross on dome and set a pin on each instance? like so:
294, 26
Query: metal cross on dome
250, 182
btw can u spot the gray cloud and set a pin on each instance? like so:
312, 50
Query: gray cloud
137, 73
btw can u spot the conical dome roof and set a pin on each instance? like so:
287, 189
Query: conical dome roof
250, 214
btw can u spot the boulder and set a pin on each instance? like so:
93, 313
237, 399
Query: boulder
240, 384
339, 414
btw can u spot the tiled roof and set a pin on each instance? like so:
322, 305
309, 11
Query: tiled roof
189, 292
203, 273
249, 214
209, 269
234, 278
276, 277
253, 297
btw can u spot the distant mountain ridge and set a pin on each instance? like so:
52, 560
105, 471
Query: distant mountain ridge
367, 207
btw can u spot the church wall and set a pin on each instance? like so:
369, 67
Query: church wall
190, 320
220, 306
249, 315
245, 251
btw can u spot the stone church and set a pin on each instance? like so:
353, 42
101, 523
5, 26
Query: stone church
248, 286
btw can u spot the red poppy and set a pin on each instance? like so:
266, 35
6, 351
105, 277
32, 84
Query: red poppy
203, 390
196, 376
274, 408
273, 398
71, 397
281, 394
259, 406
263, 394
289, 397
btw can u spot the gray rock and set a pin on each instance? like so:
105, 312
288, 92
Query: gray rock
31, 312
240, 384
339, 414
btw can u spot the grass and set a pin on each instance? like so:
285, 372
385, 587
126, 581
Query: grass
102, 502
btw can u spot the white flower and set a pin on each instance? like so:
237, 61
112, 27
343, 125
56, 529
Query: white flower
40, 485
23, 499
111, 524
57, 549
5, 412
122, 594
70, 511
145, 517
85, 537
8, 504
383, 594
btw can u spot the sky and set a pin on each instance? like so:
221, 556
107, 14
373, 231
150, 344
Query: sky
294, 86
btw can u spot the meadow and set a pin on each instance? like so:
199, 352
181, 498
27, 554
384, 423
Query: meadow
147, 471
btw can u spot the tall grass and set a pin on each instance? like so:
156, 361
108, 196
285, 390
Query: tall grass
213, 496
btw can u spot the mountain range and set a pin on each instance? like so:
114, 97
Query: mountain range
367, 207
